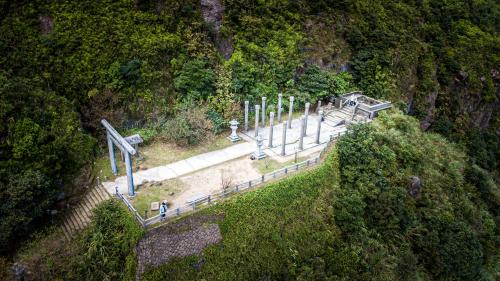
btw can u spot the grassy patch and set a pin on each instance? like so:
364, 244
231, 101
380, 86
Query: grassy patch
268, 165
156, 192
157, 154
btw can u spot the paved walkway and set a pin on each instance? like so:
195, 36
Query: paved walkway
183, 167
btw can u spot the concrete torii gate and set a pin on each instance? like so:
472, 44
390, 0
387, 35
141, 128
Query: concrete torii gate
114, 138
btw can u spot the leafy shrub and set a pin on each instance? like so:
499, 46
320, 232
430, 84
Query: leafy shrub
195, 79
219, 124
321, 84
189, 127
107, 243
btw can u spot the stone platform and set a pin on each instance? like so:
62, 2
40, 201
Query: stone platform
293, 134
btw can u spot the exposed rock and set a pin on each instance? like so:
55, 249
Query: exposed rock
18, 271
46, 24
430, 103
415, 188
213, 14
424, 125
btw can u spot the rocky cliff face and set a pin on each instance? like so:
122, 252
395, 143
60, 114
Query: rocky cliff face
213, 13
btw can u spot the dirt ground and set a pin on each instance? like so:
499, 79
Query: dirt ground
210, 180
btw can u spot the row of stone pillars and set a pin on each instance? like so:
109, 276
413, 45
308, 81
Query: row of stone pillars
286, 124
262, 114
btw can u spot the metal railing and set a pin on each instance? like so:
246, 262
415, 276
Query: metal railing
130, 207
226, 192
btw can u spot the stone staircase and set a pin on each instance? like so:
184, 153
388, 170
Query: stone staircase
339, 117
79, 217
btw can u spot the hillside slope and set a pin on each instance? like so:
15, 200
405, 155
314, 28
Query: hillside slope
67, 64
355, 218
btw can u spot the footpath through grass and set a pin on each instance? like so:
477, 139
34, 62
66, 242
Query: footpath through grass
157, 154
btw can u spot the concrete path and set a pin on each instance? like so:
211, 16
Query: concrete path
183, 167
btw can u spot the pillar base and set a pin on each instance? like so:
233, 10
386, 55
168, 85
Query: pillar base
234, 138
257, 156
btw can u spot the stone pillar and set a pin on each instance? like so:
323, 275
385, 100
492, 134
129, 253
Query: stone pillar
234, 126
318, 107
264, 112
112, 159
271, 127
290, 112
130, 177
259, 154
318, 131
306, 115
283, 139
246, 115
301, 137
280, 96
257, 107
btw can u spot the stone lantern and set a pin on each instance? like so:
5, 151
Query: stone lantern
234, 126
259, 154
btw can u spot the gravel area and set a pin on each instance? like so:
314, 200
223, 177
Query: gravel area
184, 238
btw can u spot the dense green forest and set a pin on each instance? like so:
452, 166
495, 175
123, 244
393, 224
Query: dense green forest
143, 64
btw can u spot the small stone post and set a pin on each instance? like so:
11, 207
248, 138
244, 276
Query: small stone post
247, 103
306, 115
257, 107
130, 179
290, 112
112, 159
264, 112
318, 107
234, 126
320, 117
280, 96
283, 139
271, 127
259, 154
301, 138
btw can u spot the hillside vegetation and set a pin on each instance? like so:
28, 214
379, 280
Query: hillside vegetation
146, 64
353, 218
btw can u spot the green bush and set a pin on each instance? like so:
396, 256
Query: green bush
195, 80
108, 243
189, 127
320, 84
